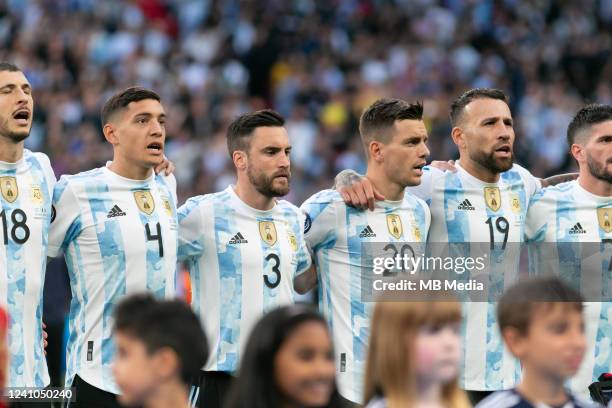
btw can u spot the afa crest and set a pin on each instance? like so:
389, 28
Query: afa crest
492, 197
267, 231
167, 206
292, 241
36, 195
144, 201
515, 204
394, 224
604, 216
8, 186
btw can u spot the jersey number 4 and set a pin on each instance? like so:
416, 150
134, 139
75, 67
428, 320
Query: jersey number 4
156, 237
19, 232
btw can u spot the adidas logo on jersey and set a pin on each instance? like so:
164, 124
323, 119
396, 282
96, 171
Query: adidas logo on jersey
577, 229
115, 212
466, 205
367, 232
238, 239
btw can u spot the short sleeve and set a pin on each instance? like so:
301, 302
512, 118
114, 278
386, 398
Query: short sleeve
191, 239
319, 220
303, 255
65, 218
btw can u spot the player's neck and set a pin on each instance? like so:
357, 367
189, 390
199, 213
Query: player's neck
391, 191
10, 152
477, 170
130, 170
536, 387
169, 395
251, 197
594, 185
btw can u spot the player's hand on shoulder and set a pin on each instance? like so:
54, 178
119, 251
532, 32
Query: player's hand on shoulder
444, 165
360, 193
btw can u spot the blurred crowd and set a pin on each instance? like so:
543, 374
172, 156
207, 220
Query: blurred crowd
318, 62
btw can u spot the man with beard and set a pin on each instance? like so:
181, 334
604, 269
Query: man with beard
574, 221
243, 247
26, 186
395, 140
483, 202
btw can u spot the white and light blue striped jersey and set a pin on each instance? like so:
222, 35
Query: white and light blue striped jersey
242, 262
25, 213
465, 209
566, 214
334, 233
119, 236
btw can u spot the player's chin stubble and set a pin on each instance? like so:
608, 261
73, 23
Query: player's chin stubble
598, 170
488, 161
265, 185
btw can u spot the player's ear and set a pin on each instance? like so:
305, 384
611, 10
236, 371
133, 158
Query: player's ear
109, 134
240, 160
459, 137
578, 152
375, 150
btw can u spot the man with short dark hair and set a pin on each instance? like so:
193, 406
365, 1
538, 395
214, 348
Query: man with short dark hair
26, 191
394, 139
243, 247
573, 221
117, 228
484, 201
160, 347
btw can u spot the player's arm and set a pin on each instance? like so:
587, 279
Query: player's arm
191, 237
305, 281
558, 179
319, 227
357, 190
65, 224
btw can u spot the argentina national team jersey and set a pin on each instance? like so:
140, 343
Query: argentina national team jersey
335, 233
465, 209
566, 214
242, 262
26, 189
119, 236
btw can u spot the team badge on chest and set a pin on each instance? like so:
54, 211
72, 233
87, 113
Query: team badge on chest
144, 201
267, 231
492, 198
604, 216
394, 224
8, 186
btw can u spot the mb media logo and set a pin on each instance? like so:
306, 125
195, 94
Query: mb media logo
238, 239
577, 229
466, 205
367, 232
115, 212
